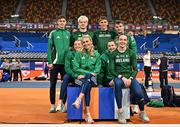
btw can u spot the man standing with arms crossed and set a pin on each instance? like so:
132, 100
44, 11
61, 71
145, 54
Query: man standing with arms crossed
58, 45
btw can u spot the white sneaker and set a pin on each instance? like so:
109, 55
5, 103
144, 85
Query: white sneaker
136, 109
52, 110
143, 116
77, 103
64, 109
121, 118
89, 119
59, 107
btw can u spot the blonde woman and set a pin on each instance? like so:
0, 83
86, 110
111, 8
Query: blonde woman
86, 66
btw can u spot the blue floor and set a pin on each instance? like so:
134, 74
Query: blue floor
46, 85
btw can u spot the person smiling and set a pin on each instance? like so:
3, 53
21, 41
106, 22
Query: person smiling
86, 66
82, 29
123, 66
68, 77
58, 45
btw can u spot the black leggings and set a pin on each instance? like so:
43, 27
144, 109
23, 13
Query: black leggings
57, 68
163, 77
147, 71
20, 74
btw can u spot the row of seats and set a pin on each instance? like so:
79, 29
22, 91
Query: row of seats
41, 11
43, 55
93, 9
136, 12
7, 7
24, 55
168, 43
167, 9
45, 11
22, 41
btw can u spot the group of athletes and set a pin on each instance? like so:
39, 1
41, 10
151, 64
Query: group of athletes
89, 59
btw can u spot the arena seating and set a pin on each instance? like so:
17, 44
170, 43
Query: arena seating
167, 9
41, 11
10, 50
167, 43
136, 12
7, 7
92, 9
131, 11
37, 42
23, 55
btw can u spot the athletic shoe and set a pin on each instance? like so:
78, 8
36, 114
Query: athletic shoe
59, 108
64, 109
143, 116
52, 110
121, 118
89, 119
77, 103
136, 109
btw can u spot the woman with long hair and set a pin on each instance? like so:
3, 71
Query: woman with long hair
86, 66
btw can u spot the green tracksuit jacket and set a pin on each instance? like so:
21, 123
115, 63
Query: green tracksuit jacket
101, 38
104, 76
68, 62
58, 45
85, 63
124, 64
78, 34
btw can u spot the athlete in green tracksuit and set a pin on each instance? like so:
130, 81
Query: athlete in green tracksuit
104, 78
123, 66
85, 63
86, 66
103, 36
68, 77
58, 45
83, 30
119, 27
124, 63
78, 34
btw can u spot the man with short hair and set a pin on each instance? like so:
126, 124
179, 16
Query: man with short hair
82, 29
119, 27
163, 69
58, 45
103, 35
